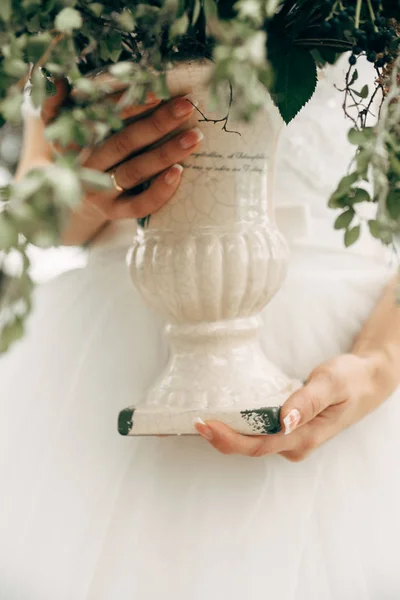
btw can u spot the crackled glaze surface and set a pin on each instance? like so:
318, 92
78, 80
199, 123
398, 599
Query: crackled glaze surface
209, 262
211, 274
230, 178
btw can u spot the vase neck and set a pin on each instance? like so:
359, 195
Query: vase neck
229, 179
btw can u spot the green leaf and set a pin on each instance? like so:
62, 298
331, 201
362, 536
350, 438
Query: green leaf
250, 11
375, 229
33, 24
111, 46
61, 130
5, 193
344, 220
393, 204
86, 86
31, 3
395, 164
354, 77
359, 137
38, 92
122, 69
359, 195
126, 20
55, 69
161, 88
363, 94
337, 201
95, 179
37, 45
363, 160
342, 191
271, 7
11, 108
8, 233
211, 10
179, 27
196, 11
352, 235
10, 333
66, 185
346, 183
5, 10
324, 55
96, 8
295, 76
15, 67
68, 19
24, 189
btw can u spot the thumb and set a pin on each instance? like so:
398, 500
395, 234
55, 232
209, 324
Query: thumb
308, 402
52, 104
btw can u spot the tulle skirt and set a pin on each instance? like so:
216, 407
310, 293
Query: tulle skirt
88, 515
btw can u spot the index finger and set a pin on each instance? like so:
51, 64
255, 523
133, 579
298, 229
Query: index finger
227, 441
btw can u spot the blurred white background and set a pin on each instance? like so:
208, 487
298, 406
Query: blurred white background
49, 263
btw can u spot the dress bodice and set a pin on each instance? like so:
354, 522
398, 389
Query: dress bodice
313, 154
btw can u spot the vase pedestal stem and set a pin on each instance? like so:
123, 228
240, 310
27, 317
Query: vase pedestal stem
216, 371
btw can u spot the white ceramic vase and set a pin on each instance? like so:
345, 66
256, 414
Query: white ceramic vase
209, 262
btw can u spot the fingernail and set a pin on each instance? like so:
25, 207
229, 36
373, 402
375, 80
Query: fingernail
173, 173
183, 106
203, 429
291, 421
191, 138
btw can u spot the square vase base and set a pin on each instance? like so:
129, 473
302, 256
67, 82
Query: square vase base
180, 421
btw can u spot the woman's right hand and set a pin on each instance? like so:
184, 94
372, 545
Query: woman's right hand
114, 155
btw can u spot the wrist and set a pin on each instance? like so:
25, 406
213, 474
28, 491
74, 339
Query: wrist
82, 226
383, 367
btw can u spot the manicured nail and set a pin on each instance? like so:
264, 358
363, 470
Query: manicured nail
191, 138
291, 421
183, 106
173, 173
203, 429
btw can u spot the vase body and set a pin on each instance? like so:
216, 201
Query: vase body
209, 262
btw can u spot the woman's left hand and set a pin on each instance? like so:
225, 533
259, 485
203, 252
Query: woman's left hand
337, 394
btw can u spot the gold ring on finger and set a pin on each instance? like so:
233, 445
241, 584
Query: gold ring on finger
115, 182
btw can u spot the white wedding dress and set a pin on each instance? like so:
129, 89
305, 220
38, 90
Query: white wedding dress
86, 514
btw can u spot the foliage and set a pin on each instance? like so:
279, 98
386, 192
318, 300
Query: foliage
278, 43
376, 166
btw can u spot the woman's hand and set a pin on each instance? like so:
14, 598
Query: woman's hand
337, 394
159, 164
163, 161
